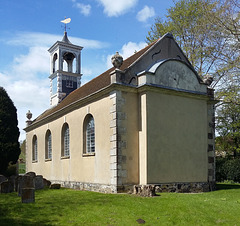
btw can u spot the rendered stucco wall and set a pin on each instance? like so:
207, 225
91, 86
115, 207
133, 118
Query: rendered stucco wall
78, 168
130, 153
176, 139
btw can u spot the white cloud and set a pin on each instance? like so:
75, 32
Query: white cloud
131, 47
25, 85
30, 39
117, 8
84, 9
32, 94
36, 61
145, 13
87, 71
127, 50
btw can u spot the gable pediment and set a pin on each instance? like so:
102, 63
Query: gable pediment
173, 74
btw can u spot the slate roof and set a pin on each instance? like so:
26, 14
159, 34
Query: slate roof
94, 85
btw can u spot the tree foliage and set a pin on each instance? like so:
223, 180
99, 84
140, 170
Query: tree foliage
9, 132
227, 169
208, 31
228, 121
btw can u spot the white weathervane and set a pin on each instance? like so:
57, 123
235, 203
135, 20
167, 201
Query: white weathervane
66, 21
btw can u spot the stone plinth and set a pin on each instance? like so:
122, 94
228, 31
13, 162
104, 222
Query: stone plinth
144, 190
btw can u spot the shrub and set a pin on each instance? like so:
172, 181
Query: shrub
11, 170
220, 173
232, 169
227, 169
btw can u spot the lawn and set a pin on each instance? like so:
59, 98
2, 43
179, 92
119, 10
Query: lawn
72, 207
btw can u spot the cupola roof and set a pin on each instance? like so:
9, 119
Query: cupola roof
65, 38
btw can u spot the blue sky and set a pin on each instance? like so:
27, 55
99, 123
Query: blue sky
30, 27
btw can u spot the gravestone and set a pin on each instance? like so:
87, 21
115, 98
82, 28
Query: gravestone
18, 184
32, 174
55, 186
28, 195
6, 187
12, 179
38, 181
46, 183
25, 182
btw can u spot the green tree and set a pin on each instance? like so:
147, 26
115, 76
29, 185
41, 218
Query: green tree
199, 39
208, 33
228, 121
9, 132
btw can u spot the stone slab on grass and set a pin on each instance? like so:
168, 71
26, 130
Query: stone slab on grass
55, 186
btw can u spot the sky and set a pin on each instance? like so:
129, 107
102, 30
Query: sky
102, 27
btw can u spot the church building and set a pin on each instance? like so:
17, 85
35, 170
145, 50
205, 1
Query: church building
147, 120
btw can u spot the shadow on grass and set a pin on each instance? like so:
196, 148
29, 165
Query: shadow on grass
14, 212
220, 186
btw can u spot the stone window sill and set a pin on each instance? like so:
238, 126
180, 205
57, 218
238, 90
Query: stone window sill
34, 161
88, 154
65, 157
48, 160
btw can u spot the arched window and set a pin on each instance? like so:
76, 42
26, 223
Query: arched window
34, 148
89, 135
48, 145
65, 140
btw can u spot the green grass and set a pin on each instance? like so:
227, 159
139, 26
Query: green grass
72, 207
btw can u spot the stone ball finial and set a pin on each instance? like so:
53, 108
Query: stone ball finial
29, 115
208, 79
117, 60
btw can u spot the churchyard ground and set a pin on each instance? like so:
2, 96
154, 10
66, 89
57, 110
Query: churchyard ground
73, 207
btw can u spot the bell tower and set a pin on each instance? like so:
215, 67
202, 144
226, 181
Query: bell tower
65, 69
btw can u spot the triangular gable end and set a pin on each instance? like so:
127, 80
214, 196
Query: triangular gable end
164, 48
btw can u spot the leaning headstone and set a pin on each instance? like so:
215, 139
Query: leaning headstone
38, 180
2, 178
46, 183
28, 195
55, 186
6, 187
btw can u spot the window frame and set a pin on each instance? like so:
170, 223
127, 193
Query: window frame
48, 145
89, 136
65, 141
34, 149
